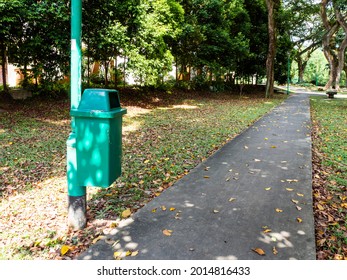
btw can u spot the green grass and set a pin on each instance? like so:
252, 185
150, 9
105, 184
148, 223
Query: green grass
160, 145
331, 114
330, 189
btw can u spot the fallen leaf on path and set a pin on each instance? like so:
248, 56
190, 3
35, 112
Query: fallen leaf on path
289, 189
126, 213
206, 177
231, 199
295, 201
172, 209
64, 249
259, 251
267, 230
300, 194
154, 210
215, 211
298, 208
299, 220
274, 251
97, 239
117, 255
273, 147
278, 210
292, 180
267, 189
135, 253
167, 232
113, 225
163, 208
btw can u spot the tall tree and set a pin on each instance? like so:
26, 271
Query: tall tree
270, 61
11, 12
334, 18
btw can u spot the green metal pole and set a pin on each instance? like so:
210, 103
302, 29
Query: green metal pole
288, 74
76, 193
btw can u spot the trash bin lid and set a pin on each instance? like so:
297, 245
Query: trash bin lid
99, 99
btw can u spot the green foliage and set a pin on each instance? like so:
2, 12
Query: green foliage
42, 39
216, 38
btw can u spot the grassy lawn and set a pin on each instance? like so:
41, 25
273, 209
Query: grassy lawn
163, 138
330, 176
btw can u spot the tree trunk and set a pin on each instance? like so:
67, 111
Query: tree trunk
342, 48
3, 64
329, 53
106, 73
300, 69
116, 71
270, 61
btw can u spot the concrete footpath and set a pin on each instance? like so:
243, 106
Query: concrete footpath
252, 197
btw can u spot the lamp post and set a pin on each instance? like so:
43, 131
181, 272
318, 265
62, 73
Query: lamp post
76, 193
288, 73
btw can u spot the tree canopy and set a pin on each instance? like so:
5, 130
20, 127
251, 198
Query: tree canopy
208, 41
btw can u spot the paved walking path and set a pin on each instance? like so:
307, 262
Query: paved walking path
254, 193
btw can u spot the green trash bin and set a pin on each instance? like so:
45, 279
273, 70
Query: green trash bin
98, 128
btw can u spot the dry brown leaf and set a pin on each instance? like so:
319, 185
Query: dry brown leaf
259, 251
167, 232
64, 249
320, 207
97, 239
126, 213
338, 257
117, 255
292, 180
206, 177
113, 225
135, 253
